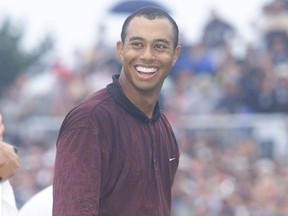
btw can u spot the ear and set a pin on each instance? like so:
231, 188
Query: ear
120, 50
176, 54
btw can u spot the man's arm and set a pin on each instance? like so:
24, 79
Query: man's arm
76, 186
9, 159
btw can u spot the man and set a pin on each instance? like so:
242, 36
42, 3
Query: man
9, 164
9, 159
116, 152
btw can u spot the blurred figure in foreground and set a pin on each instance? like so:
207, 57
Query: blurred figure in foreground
9, 163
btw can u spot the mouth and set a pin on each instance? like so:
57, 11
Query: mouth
146, 70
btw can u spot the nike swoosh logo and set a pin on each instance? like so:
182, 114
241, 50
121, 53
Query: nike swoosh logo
171, 159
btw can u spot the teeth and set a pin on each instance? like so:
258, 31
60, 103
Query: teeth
145, 70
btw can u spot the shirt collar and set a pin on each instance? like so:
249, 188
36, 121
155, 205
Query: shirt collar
117, 93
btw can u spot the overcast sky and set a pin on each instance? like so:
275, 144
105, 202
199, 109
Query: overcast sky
74, 23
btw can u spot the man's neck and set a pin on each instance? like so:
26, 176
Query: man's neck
144, 102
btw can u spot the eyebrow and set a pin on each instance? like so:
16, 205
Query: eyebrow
135, 38
157, 40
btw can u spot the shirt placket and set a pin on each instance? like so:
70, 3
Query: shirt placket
154, 148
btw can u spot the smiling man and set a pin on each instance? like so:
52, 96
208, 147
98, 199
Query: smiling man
116, 151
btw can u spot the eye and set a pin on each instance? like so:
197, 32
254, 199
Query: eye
161, 46
137, 44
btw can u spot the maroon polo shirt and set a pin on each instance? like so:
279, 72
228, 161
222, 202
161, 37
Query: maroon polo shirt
112, 160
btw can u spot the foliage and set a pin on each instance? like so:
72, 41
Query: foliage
14, 60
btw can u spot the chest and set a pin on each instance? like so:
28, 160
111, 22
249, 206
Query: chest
141, 150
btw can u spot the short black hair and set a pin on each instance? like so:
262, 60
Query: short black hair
151, 13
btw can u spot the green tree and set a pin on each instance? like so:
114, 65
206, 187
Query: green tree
14, 59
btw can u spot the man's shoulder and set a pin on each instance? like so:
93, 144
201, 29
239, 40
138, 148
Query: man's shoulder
96, 99
93, 107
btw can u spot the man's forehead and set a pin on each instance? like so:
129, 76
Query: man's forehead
143, 20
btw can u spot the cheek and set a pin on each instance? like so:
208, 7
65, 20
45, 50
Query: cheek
169, 62
129, 57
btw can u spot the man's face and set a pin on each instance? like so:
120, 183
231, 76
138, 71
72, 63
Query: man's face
148, 53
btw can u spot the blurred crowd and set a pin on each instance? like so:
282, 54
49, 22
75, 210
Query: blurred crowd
219, 74
234, 180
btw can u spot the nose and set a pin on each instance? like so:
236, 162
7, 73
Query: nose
147, 54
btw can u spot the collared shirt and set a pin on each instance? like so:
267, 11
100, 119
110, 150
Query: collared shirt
112, 160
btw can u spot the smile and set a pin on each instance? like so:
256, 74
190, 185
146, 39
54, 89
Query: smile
147, 70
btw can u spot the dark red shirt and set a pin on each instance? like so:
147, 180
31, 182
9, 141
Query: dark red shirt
112, 160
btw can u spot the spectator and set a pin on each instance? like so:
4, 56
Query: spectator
217, 31
9, 163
